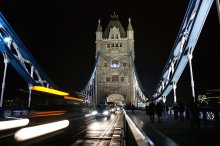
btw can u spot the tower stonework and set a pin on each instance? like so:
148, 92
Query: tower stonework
114, 72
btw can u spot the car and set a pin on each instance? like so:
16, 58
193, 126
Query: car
102, 111
112, 107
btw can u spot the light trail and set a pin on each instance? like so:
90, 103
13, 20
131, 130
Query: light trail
4, 125
36, 131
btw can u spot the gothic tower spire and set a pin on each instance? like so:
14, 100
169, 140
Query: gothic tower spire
129, 25
99, 28
98, 36
130, 31
99, 31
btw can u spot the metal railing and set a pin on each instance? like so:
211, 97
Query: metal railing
142, 135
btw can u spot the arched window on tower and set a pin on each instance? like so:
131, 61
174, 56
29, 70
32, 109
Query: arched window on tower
105, 63
112, 36
115, 63
108, 45
108, 79
115, 78
124, 64
116, 36
122, 79
112, 45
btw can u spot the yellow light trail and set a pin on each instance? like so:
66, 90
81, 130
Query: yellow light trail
49, 90
73, 98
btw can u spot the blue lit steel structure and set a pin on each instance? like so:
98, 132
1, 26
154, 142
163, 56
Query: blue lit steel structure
141, 95
15, 53
89, 90
182, 51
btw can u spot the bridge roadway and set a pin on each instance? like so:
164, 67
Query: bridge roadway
180, 132
83, 130
103, 132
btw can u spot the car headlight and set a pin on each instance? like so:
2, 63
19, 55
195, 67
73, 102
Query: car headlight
112, 110
94, 112
105, 113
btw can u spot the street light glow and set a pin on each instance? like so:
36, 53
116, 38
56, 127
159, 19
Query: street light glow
7, 39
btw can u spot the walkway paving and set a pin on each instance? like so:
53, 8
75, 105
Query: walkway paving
179, 131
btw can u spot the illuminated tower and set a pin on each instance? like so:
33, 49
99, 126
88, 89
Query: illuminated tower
115, 66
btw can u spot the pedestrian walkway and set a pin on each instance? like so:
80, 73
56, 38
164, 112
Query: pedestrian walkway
180, 132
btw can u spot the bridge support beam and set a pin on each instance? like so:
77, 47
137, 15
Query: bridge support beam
29, 98
30, 86
6, 61
94, 93
174, 91
164, 99
191, 74
218, 9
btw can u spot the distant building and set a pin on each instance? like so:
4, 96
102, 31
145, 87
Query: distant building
116, 62
211, 97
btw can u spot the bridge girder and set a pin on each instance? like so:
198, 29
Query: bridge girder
184, 45
19, 57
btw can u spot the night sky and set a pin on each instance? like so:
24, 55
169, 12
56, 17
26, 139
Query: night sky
60, 35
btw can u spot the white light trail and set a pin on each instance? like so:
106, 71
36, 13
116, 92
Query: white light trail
35, 131
4, 125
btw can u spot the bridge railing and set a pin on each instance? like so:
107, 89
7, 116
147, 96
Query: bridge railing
132, 135
210, 113
139, 135
206, 113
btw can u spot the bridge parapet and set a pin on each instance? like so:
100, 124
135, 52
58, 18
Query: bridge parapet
139, 134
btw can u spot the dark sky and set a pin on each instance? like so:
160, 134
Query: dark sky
60, 35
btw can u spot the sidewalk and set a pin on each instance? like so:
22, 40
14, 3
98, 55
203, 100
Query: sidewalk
180, 131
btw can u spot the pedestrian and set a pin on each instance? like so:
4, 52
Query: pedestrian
187, 111
175, 111
194, 115
151, 111
181, 110
159, 110
167, 109
132, 108
146, 109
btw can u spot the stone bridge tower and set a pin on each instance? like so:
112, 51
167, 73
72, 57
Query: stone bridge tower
116, 61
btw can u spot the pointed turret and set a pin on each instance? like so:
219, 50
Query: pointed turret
99, 31
130, 36
130, 31
99, 28
129, 25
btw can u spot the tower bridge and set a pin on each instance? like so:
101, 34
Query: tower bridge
115, 68
114, 79
114, 75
